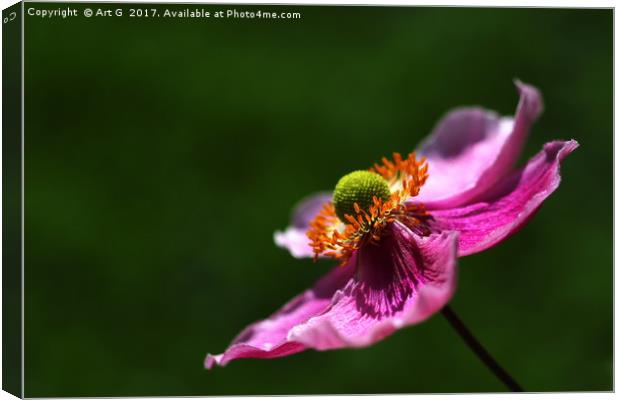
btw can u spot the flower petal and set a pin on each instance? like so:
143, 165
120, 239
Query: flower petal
294, 237
268, 338
471, 149
401, 281
509, 206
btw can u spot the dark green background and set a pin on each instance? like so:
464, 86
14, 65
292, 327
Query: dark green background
161, 155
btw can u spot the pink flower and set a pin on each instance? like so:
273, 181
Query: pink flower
398, 247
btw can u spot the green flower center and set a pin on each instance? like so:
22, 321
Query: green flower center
358, 187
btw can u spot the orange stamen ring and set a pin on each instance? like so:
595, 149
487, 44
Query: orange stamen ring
331, 237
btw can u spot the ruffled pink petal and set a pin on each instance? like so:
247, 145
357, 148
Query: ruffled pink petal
509, 205
471, 149
401, 281
294, 237
269, 338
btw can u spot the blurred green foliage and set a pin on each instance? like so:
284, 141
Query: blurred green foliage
162, 154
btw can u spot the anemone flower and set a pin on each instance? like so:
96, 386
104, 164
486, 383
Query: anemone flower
398, 228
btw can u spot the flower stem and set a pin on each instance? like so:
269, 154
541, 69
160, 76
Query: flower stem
480, 351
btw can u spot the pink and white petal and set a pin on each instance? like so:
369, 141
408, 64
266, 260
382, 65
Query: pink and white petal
295, 241
471, 149
294, 237
509, 205
402, 281
269, 338
307, 208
